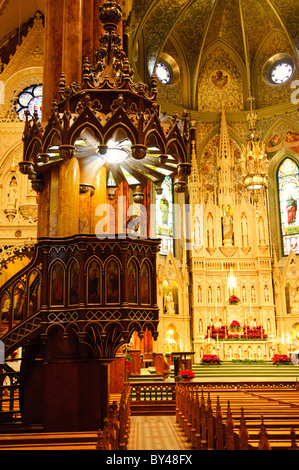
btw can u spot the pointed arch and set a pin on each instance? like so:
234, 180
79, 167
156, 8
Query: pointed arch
288, 198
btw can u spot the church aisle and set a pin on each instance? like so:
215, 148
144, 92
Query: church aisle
156, 433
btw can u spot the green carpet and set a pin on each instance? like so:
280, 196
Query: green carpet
230, 370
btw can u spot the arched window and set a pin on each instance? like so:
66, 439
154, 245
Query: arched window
30, 98
288, 189
164, 216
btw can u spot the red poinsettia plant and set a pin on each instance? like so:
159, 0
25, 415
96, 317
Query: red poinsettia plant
210, 359
281, 359
128, 359
233, 299
186, 375
235, 325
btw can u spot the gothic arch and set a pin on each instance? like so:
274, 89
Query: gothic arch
235, 58
273, 195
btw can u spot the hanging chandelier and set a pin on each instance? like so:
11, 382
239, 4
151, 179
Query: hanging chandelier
254, 159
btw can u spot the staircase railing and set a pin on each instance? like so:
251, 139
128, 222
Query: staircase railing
22, 332
9, 394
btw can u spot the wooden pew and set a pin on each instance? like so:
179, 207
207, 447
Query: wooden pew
243, 424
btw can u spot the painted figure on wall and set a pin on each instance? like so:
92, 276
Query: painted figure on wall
34, 292
132, 283
94, 280
18, 301
74, 283
220, 79
5, 307
112, 274
57, 284
145, 284
289, 140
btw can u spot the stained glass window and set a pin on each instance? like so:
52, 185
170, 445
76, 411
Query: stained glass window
281, 72
163, 72
30, 98
288, 184
164, 216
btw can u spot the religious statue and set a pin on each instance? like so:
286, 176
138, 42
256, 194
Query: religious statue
244, 227
227, 225
12, 192
170, 303
164, 208
295, 307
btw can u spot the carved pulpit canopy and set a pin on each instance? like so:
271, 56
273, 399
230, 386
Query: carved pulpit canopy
111, 118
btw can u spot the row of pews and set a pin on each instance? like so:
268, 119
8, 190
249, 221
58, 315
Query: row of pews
116, 429
113, 435
238, 419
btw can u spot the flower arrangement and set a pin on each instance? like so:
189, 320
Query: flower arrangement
281, 359
249, 334
213, 332
233, 299
253, 334
235, 326
210, 359
186, 375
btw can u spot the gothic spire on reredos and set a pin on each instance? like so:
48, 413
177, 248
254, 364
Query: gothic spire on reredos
225, 164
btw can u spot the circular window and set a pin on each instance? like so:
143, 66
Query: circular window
281, 72
163, 72
278, 70
31, 99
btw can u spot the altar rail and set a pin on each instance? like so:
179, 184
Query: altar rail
153, 398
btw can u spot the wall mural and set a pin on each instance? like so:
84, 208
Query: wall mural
288, 140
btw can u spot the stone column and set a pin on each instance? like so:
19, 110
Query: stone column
98, 198
68, 212
53, 53
72, 40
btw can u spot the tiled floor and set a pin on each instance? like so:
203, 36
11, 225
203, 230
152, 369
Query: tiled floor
156, 433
